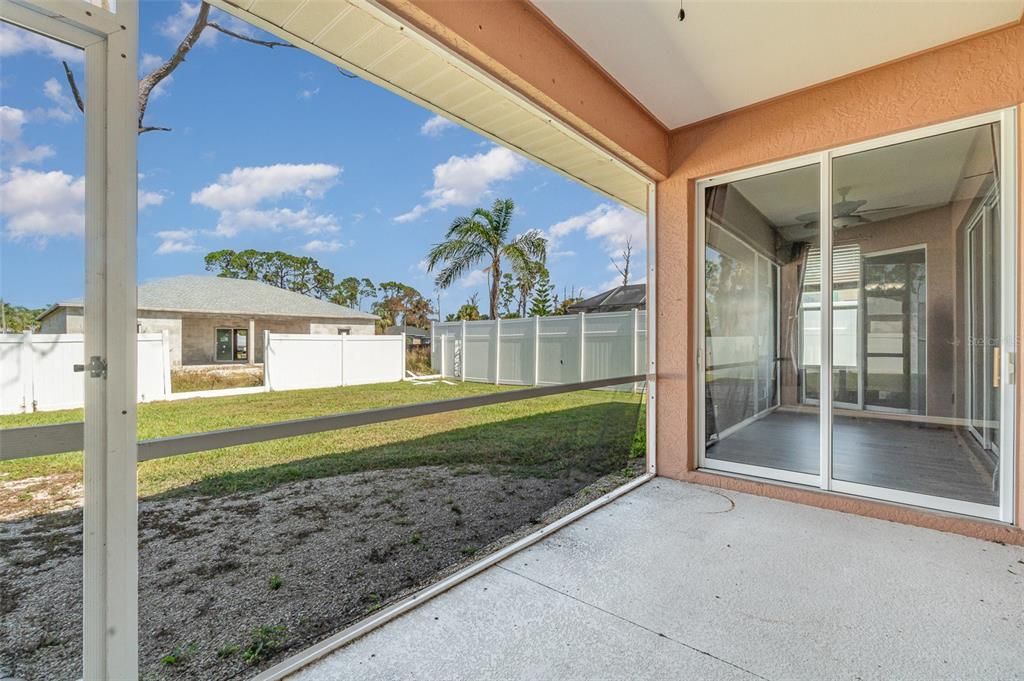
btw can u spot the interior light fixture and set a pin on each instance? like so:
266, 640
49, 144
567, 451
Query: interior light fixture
682, 12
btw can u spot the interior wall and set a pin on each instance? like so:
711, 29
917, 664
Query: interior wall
974, 76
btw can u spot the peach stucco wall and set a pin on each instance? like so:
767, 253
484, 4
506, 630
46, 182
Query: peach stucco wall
513, 41
978, 75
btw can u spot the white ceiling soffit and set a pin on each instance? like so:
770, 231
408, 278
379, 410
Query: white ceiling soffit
365, 40
728, 54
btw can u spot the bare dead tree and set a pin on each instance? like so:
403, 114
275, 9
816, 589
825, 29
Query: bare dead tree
627, 256
74, 87
149, 82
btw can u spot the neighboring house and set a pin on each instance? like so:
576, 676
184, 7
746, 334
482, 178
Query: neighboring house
413, 335
216, 320
618, 299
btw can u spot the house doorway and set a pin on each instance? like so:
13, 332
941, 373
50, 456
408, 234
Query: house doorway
901, 397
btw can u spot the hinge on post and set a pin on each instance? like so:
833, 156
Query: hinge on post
97, 367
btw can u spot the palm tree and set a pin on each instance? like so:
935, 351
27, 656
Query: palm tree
482, 236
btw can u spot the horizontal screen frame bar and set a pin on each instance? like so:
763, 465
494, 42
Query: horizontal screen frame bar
31, 441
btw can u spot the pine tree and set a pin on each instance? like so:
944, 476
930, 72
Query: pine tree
541, 305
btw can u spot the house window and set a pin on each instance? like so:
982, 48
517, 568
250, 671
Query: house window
344, 332
232, 345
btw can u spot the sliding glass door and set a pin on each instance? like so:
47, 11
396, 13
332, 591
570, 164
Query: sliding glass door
981, 315
761, 315
913, 406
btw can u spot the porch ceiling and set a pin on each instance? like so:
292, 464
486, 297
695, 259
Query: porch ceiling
364, 39
727, 55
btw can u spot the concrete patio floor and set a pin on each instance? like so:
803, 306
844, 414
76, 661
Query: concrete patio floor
676, 581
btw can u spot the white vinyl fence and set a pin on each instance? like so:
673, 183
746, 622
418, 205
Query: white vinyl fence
542, 350
293, 361
37, 371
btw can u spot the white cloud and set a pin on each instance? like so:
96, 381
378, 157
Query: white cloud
176, 241
465, 180
40, 205
319, 246
232, 222
435, 126
411, 215
147, 199
15, 41
612, 225
15, 151
178, 24
246, 187
237, 196
308, 94
65, 109
635, 277
148, 62
474, 278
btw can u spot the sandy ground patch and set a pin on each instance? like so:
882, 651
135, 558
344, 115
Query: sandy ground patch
34, 496
261, 575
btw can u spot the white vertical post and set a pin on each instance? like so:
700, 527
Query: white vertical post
497, 351
462, 353
825, 324
636, 344
405, 351
110, 522
433, 348
652, 336
267, 382
344, 369
251, 350
583, 346
28, 373
757, 340
444, 354
165, 355
536, 350
1009, 341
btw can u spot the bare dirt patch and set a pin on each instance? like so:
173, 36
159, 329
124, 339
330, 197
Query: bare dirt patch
188, 379
27, 497
229, 585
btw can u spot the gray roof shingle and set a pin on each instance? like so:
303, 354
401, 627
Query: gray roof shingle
207, 294
617, 299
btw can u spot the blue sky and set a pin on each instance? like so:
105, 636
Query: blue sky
272, 149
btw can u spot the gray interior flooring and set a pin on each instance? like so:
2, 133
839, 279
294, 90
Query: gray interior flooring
936, 460
676, 581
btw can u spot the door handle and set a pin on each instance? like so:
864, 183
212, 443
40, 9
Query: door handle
995, 367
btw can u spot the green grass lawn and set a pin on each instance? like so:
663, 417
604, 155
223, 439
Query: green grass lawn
541, 436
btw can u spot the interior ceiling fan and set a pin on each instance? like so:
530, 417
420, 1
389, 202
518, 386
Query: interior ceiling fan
845, 213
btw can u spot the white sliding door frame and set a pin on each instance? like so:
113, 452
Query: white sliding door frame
1008, 199
110, 514
703, 461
